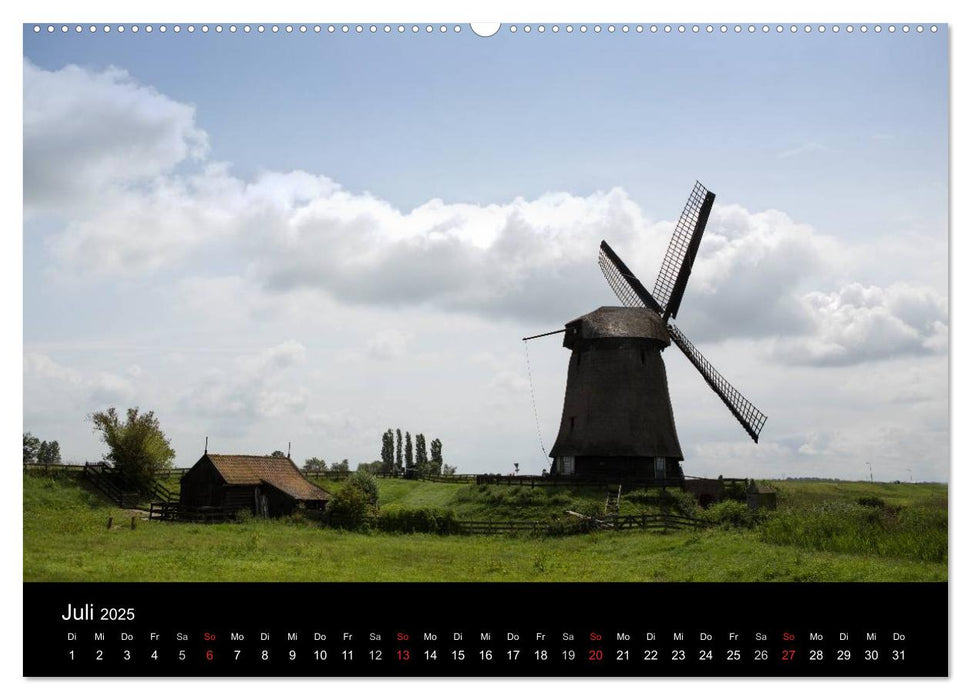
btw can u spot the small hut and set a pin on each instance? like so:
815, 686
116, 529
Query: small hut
267, 486
759, 496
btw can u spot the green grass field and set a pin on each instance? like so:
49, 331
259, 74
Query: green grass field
820, 533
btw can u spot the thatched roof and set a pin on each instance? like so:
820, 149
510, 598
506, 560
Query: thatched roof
279, 472
616, 322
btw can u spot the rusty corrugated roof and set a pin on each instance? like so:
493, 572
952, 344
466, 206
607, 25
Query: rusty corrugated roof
279, 472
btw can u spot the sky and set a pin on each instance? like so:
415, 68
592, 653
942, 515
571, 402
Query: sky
312, 238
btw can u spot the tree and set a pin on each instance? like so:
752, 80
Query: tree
375, 467
437, 451
278, 453
421, 452
137, 447
367, 483
341, 466
31, 447
397, 453
49, 453
349, 507
315, 464
448, 469
387, 450
409, 453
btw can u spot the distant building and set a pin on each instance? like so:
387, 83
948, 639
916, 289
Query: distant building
267, 486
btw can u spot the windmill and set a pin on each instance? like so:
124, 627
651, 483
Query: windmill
617, 416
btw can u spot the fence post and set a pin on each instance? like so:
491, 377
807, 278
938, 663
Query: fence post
133, 522
110, 520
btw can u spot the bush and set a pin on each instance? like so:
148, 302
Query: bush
871, 502
681, 503
730, 514
402, 519
365, 481
349, 509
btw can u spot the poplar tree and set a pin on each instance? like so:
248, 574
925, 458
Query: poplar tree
409, 453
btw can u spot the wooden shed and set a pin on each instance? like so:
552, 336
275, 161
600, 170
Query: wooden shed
267, 486
759, 496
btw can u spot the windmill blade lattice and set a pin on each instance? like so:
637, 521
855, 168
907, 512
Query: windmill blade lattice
751, 418
688, 230
626, 286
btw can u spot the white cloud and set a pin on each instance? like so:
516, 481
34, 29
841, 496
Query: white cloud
92, 390
86, 132
251, 387
860, 323
387, 344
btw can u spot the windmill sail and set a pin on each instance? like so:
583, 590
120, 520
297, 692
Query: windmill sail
680, 256
751, 418
625, 285
632, 293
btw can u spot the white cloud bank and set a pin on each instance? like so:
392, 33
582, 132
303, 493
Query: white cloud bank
102, 152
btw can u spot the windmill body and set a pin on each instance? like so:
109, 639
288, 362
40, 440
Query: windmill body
617, 418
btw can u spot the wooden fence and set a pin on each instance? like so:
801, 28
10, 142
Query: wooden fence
533, 481
662, 522
175, 512
79, 468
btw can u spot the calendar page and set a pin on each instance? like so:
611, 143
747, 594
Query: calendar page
525, 349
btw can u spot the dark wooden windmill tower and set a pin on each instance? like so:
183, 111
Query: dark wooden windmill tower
617, 418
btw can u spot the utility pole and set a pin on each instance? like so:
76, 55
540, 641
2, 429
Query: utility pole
870, 467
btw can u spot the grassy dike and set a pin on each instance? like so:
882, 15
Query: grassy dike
66, 539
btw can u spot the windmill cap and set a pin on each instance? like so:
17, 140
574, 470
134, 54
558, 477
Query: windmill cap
617, 322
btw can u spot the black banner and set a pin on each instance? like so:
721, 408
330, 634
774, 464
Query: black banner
479, 629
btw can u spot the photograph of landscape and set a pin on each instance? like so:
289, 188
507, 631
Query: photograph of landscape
404, 303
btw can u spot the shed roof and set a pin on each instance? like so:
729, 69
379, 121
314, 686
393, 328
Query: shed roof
279, 472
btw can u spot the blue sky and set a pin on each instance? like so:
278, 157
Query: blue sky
827, 251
